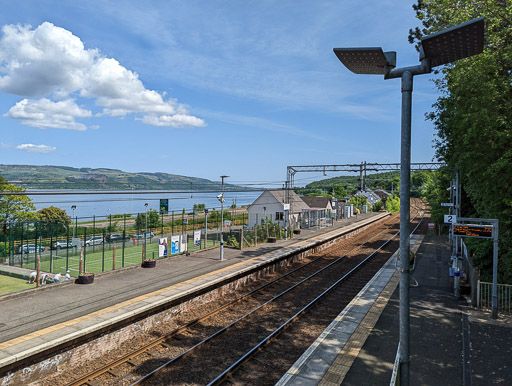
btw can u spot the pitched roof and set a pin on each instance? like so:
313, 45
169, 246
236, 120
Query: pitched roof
296, 204
317, 202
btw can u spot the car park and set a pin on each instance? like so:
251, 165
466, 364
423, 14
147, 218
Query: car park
142, 235
116, 237
30, 248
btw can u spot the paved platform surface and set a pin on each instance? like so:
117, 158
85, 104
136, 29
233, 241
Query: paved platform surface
33, 320
451, 343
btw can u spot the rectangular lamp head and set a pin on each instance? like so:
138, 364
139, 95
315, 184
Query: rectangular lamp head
458, 42
369, 60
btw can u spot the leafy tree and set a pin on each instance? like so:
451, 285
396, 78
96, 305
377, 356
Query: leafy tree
199, 208
358, 201
339, 191
393, 204
377, 206
53, 220
473, 118
153, 220
15, 207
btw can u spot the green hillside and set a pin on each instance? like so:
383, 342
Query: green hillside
63, 177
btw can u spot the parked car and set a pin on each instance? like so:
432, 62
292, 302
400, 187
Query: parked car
59, 244
30, 248
141, 235
93, 240
115, 237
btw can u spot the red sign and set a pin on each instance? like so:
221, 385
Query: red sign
431, 225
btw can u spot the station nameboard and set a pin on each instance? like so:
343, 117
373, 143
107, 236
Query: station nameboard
481, 231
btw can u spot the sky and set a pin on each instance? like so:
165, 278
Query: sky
204, 88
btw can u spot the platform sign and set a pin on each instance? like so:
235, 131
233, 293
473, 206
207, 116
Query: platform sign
469, 230
447, 204
450, 219
286, 207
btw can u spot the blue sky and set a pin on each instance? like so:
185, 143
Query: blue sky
204, 88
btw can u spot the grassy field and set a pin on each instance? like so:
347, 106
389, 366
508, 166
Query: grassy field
98, 259
11, 284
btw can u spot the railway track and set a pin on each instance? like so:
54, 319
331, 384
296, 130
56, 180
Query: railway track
198, 351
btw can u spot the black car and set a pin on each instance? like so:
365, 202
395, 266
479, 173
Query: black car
114, 237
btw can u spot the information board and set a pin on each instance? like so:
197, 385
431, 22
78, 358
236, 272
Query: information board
480, 231
164, 206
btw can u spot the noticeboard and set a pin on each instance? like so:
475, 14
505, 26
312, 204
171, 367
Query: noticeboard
480, 231
164, 206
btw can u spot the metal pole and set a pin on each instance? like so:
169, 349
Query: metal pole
495, 272
456, 278
405, 180
222, 223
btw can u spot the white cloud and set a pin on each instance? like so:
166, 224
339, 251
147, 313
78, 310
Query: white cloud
44, 113
176, 120
35, 148
49, 61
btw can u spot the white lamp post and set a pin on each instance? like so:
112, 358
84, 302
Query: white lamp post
220, 197
73, 207
450, 45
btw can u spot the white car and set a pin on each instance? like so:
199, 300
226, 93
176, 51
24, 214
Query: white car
142, 235
93, 240
30, 248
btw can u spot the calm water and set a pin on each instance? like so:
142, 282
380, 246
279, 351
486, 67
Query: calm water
101, 204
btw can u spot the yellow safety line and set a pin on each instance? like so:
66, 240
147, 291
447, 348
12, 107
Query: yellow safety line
71, 322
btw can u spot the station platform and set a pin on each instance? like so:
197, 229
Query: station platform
36, 321
450, 344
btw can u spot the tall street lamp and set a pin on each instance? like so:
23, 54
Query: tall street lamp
220, 197
449, 45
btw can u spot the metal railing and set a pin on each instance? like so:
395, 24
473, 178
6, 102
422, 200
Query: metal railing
484, 297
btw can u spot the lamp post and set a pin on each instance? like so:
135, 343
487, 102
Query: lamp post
450, 45
73, 207
146, 205
221, 199
146, 232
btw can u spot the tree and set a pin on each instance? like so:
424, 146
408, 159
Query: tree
54, 221
199, 208
473, 118
153, 220
393, 204
339, 191
15, 207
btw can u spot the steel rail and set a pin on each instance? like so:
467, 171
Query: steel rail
126, 358
228, 372
225, 328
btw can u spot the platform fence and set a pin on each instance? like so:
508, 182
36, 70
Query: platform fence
484, 296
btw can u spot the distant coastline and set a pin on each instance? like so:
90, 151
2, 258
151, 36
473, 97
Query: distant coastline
44, 177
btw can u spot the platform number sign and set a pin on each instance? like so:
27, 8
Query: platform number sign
450, 219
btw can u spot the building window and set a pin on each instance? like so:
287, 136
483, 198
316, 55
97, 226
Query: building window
279, 216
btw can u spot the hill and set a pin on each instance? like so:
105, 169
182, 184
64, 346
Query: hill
64, 177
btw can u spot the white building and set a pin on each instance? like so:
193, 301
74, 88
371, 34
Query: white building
271, 204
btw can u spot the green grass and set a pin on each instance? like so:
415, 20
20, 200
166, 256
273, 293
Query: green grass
98, 260
10, 284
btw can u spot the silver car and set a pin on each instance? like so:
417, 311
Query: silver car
93, 240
